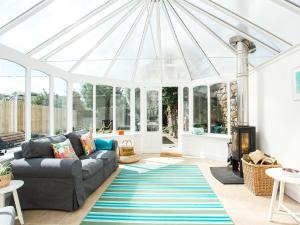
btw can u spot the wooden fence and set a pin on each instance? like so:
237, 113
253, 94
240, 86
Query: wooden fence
12, 116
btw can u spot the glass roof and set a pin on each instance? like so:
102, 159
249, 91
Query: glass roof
148, 40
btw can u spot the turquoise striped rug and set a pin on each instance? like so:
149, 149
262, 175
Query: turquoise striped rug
151, 194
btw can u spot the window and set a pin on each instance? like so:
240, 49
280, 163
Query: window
137, 109
12, 106
186, 109
200, 107
218, 108
233, 104
60, 105
82, 106
39, 104
122, 108
152, 111
104, 109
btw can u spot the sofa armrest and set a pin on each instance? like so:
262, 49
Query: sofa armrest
114, 145
46, 168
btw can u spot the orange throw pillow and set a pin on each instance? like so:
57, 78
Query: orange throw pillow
88, 144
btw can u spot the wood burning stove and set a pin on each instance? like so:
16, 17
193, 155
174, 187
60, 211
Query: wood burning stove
243, 142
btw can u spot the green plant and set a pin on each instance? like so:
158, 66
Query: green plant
198, 125
4, 169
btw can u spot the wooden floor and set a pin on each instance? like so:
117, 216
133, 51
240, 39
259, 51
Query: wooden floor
243, 207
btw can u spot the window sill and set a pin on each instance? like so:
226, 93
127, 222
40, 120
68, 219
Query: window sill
208, 135
116, 135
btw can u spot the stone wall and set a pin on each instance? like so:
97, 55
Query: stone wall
218, 94
233, 104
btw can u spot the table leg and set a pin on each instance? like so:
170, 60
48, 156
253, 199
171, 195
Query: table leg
18, 207
273, 199
281, 194
2, 200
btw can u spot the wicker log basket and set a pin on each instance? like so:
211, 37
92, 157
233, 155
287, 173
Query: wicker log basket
255, 177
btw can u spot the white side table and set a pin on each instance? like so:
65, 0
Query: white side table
12, 187
281, 179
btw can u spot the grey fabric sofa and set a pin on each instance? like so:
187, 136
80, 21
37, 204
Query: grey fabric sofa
7, 215
61, 184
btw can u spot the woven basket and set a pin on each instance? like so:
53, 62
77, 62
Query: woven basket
126, 148
256, 179
129, 159
5, 180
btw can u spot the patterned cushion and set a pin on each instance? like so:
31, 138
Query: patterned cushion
88, 144
64, 150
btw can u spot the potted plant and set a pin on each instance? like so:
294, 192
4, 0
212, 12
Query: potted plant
198, 129
5, 174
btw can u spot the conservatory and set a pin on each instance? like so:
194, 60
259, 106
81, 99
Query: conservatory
187, 89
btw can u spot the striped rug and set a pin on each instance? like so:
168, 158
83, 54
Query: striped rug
151, 194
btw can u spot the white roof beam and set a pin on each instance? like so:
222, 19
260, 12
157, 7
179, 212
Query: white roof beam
128, 35
24, 16
66, 30
191, 36
176, 38
204, 26
147, 22
87, 30
152, 36
103, 38
229, 26
248, 22
158, 33
290, 5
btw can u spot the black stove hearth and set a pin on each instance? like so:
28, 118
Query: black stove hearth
243, 142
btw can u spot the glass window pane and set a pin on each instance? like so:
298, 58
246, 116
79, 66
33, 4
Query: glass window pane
152, 111
137, 109
82, 106
12, 106
186, 109
39, 104
200, 107
60, 105
233, 104
123, 108
218, 108
104, 109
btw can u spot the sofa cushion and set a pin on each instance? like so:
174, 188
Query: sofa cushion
64, 150
109, 159
41, 148
103, 154
76, 143
103, 144
7, 215
90, 167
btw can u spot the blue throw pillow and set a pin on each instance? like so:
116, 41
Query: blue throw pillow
103, 144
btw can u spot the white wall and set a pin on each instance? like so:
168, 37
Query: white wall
210, 146
275, 113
